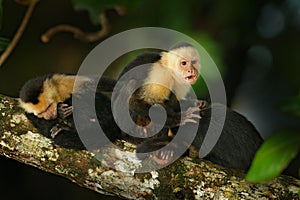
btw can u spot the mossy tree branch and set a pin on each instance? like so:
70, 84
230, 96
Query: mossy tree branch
186, 178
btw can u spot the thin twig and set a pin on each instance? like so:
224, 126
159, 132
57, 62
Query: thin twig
120, 10
20, 31
78, 33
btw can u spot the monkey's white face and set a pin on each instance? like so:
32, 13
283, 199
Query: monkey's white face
187, 70
185, 62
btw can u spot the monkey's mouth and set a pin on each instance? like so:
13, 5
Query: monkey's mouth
191, 79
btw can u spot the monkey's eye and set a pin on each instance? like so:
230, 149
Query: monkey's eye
183, 63
194, 62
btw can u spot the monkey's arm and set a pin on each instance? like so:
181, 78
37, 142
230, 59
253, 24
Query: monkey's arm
175, 118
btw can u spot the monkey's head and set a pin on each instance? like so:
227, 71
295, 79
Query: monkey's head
184, 60
38, 96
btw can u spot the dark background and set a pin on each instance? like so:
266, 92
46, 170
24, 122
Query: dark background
255, 44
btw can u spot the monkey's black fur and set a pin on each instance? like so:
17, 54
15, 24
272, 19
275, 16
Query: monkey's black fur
235, 148
138, 108
68, 137
145, 58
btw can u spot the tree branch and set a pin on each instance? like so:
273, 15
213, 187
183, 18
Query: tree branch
78, 33
186, 178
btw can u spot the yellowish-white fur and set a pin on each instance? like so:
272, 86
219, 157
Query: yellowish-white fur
164, 76
56, 89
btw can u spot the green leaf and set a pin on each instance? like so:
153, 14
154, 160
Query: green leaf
95, 7
274, 156
3, 43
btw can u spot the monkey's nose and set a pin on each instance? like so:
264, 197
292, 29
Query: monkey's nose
190, 70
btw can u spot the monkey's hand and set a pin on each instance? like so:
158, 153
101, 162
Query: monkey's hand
189, 115
55, 130
191, 112
202, 104
64, 110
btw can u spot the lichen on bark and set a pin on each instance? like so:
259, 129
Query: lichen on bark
185, 179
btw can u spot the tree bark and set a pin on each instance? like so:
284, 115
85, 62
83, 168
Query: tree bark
185, 179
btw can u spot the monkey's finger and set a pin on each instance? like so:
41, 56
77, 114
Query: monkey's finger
194, 116
65, 110
63, 105
194, 109
54, 131
191, 116
163, 157
201, 103
188, 121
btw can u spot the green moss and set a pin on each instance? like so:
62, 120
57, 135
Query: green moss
174, 182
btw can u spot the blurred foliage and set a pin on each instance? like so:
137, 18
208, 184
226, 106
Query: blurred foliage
274, 156
215, 51
96, 7
3, 43
278, 151
292, 106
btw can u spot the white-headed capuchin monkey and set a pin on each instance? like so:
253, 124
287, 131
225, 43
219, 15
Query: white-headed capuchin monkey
167, 78
177, 68
47, 101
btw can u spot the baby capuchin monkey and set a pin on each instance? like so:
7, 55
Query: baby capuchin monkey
47, 101
165, 81
177, 69
166, 78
